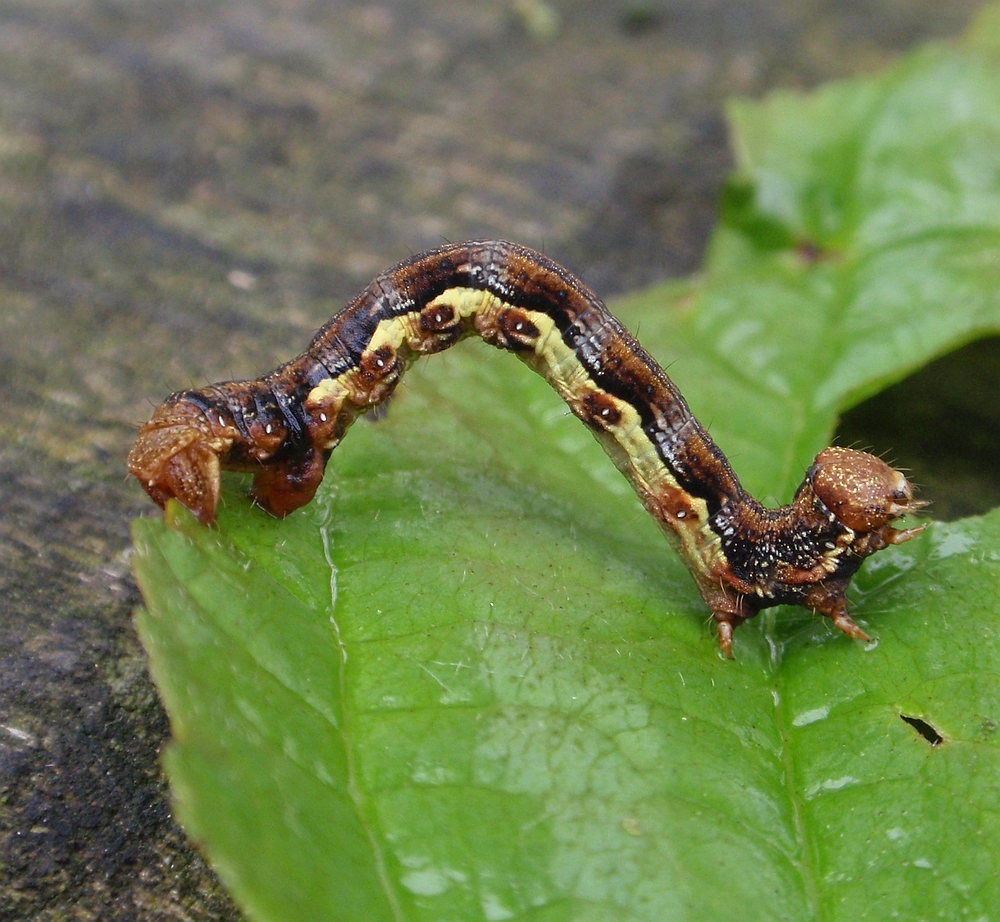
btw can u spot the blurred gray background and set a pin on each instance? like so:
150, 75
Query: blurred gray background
188, 189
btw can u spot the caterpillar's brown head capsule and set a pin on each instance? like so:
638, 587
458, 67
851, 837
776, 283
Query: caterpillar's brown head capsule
862, 491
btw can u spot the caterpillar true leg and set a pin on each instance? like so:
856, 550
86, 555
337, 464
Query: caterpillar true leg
743, 556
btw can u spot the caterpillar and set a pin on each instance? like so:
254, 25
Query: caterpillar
743, 556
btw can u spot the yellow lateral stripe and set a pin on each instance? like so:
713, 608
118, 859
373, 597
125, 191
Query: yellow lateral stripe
466, 302
631, 449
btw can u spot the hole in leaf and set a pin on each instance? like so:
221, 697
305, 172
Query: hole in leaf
940, 425
924, 729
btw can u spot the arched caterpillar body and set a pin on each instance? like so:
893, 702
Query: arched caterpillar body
744, 557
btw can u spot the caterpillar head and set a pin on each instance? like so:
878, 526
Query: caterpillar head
862, 491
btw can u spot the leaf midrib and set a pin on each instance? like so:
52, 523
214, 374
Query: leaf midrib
358, 799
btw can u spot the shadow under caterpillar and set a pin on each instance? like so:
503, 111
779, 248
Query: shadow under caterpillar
743, 556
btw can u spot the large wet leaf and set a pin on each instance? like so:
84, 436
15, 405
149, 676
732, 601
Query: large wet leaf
471, 681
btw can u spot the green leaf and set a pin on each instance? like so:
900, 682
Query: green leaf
471, 681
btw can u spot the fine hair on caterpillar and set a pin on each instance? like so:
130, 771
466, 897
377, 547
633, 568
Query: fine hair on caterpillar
743, 556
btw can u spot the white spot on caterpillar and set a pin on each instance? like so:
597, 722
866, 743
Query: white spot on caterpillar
269, 428
322, 417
